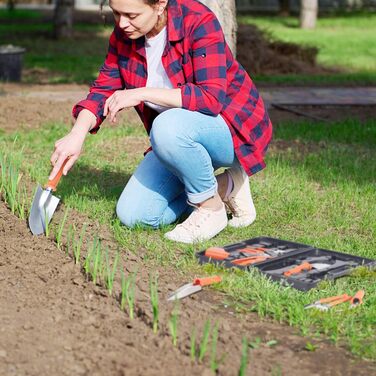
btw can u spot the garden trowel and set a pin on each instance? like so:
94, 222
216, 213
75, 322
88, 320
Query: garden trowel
44, 204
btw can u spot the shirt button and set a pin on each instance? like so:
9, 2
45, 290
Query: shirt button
203, 55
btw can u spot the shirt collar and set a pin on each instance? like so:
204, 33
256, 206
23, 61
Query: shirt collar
175, 21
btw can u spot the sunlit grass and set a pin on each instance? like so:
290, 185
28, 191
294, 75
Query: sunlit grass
318, 189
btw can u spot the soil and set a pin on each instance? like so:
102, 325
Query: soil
55, 321
259, 54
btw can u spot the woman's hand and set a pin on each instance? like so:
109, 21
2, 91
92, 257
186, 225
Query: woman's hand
121, 99
70, 146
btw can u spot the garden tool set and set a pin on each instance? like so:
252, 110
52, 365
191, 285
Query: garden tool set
298, 265
192, 288
326, 303
44, 204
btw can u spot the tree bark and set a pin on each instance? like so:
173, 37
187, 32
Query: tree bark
308, 13
63, 19
225, 11
284, 8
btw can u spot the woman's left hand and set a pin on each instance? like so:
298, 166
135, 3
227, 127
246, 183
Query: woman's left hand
121, 99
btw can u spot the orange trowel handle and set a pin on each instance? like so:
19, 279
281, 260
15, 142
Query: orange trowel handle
305, 266
216, 253
52, 184
206, 281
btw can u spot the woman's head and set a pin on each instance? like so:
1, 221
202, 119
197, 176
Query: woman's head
137, 17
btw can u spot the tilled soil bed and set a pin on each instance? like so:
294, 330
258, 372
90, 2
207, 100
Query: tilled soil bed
55, 322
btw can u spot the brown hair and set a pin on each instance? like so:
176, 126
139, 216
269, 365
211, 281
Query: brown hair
150, 2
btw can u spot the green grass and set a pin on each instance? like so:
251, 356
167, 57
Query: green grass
52, 61
318, 188
344, 42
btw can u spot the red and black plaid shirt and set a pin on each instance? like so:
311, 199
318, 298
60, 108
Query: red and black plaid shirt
198, 61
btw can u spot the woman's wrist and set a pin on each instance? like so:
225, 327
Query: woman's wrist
85, 121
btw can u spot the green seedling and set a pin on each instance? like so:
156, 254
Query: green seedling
213, 357
128, 292
10, 189
154, 301
173, 323
97, 263
47, 223
110, 272
204, 341
89, 256
244, 358
310, 346
70, 239
60, 230
271, 343
256, 343
193, 344
77, 246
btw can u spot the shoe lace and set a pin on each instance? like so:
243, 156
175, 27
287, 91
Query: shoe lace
196, 219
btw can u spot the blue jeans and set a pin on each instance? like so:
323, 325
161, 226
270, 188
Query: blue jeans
187, 148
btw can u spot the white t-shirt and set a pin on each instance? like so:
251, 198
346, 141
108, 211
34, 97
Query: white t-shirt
157, 76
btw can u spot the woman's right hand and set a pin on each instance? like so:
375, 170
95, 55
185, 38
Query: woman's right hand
70, 146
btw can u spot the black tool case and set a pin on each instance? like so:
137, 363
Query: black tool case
285, 255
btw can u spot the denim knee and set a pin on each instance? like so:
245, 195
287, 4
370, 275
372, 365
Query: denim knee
169, 129
139, 217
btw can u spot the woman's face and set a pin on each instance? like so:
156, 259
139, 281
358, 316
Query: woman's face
135, 17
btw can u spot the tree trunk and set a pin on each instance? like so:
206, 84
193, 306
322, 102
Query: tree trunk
63, 19
225, 11
284, 8
10, 5
308, 13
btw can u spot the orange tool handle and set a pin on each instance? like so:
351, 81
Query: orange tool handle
332, 298
305, 266
252, 251
55, 181
249, 260
216, 253
339, 301
357, 298
256, 248
206, 281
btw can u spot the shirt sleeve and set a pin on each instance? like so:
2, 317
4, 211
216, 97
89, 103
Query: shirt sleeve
104, 86
207, 92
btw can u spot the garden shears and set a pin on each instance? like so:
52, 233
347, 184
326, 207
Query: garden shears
44, 204
191, 288
326, 303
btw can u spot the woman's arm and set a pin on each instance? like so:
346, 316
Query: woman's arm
132, 97
70, 146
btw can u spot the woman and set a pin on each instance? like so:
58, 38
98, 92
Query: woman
169, 60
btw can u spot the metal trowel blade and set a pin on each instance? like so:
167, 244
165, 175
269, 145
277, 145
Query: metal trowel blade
42, 209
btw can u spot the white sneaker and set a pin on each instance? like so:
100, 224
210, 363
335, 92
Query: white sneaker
239, 201
202, 224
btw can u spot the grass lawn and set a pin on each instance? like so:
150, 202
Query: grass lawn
318, 189
63, 61
346, 42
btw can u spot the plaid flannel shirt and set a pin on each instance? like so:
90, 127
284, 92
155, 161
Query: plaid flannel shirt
198, 61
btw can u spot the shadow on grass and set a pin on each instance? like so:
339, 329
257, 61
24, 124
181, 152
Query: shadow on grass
336, 153
85, 181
